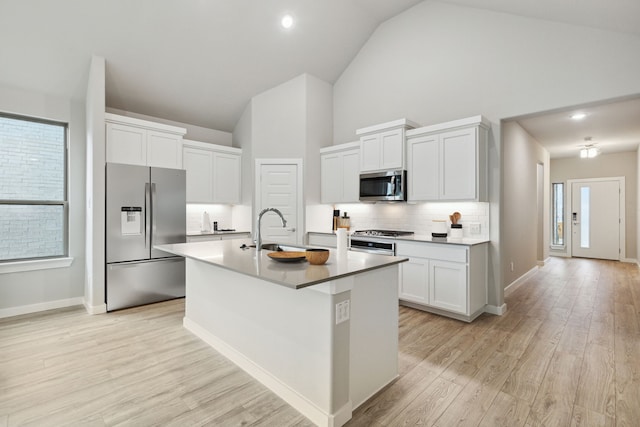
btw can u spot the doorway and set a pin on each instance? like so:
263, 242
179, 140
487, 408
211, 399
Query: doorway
596, 216
279, 185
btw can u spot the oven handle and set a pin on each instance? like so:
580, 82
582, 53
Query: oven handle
371, 251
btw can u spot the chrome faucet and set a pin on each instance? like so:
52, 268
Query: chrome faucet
259, 220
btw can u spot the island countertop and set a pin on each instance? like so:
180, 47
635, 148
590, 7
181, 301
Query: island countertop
230, 254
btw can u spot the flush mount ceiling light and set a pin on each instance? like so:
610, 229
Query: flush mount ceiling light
589, 150
287, 22
578, 116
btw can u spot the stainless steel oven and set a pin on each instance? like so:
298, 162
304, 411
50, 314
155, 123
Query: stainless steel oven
380, 247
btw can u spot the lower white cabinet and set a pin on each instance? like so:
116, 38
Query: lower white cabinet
443, 278
213, 172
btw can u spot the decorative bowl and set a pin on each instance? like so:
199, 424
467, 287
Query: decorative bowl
317, 256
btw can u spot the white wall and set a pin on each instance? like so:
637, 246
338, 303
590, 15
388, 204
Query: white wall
438, 62
28, 291
519, 213
637, 207
605, 165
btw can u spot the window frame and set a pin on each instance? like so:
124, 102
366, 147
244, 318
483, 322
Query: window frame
53, 261
554, 244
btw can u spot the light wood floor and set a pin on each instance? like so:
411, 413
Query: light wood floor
567, 353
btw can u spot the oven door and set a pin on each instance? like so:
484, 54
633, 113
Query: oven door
383, 186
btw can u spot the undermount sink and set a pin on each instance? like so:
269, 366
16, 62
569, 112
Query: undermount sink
280, 247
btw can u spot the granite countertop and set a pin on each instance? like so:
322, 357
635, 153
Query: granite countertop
229, 254
467, 241
215, 233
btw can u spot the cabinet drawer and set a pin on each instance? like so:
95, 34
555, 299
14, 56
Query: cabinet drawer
439, 251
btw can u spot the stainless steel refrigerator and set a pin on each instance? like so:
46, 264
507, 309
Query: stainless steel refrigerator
144, 207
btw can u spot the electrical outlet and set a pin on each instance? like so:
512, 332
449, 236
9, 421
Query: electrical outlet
342, 311
474, 228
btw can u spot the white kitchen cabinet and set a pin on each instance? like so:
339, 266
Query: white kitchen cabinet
340, 173
140, 142
446, 279
214, 237
448, 161
382, 147
213, 172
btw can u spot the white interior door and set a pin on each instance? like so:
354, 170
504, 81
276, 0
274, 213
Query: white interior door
595, 219
279, 188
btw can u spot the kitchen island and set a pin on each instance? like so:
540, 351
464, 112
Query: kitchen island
322, 337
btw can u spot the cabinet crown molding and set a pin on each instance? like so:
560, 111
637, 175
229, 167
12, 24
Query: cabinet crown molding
210, 146
479, 120
340, 147
395, 124
145, 124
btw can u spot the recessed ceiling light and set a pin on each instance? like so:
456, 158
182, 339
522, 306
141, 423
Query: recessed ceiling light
287, 22
578, 116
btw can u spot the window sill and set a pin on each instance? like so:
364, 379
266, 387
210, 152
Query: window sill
32, 265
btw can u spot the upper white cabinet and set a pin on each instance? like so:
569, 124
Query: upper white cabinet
213, 172
140, 142
448, 161
382, 146
340, 173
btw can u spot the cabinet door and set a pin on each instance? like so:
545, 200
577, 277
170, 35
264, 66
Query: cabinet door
392, 149
458, 165
126, 144
351, 176
423, 172
199, 167
226, 178
414, 280
331, 178
370, 153
203, 238
164, 150
448, 286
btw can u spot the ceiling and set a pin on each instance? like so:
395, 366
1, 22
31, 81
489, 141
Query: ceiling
200, 61
612, 126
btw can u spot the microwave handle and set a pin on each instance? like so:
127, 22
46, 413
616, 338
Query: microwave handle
393, 185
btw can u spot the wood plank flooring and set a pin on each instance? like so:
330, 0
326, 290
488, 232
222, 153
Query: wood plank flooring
567, 353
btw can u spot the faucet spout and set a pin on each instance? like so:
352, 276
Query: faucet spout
259, 222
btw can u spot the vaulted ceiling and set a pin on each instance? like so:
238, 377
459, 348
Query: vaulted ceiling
201, 61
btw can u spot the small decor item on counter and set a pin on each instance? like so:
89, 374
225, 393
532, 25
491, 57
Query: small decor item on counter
456, 231
317, 256
344, 221
439, 228
336, 217
455, 217
215, 225
205, 226
288, 256
342, 244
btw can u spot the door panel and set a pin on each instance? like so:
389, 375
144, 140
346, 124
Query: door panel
595, 219
168, 207
127, 227
279, 189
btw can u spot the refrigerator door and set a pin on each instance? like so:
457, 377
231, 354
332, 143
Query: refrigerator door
127, 213
130, 284
168, 208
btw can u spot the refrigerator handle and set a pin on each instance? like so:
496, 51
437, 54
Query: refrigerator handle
147, 215
154, 211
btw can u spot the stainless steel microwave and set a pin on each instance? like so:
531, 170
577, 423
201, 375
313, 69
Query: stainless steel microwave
385, 186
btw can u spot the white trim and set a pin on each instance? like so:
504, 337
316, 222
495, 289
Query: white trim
543, 262
520, 280
494, 309
629, 260
145, 124
289, 395
300, 205
42, 306
211, 147
623, 220
94, 309
35, 264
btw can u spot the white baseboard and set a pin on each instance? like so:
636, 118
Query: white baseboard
289, 395
94, 309
630, 260
542, 263
43, 306
494, 309
520, 280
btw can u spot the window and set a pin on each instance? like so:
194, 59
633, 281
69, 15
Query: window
557, 238
33, 189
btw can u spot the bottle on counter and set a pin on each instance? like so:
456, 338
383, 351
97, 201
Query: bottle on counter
215, 225
344, 222
336, 218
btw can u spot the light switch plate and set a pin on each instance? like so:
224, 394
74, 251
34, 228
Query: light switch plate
342, 311
474, 228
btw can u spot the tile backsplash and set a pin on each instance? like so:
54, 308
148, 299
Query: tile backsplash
220, 213
415, 217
